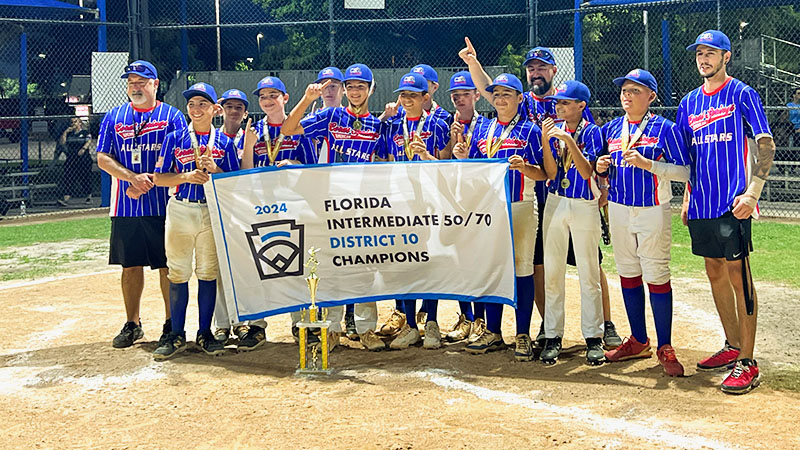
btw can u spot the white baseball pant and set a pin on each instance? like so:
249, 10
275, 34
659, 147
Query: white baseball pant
221, 316
188, 233
641, 237
525, 221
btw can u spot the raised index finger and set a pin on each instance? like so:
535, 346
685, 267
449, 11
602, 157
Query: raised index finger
469, 44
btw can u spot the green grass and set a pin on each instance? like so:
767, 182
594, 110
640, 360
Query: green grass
784, 379
62, 230
775, 258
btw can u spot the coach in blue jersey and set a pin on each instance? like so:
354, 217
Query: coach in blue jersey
718, 120
129, 142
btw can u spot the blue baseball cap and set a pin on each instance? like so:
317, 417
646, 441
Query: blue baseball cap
461, 81
234, 94
413, 82
571, 90
426, 71
270, 83
358, 72
506, 80
330, 73
142, 68
712, 38
639, 76
201, 89
542, 54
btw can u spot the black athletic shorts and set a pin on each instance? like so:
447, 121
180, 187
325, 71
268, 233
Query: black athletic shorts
724, 237
138, 241
571, 254
538, 250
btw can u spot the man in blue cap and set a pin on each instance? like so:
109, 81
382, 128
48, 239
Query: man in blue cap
510, 136
643, 153
571, 212
130, 138
352, 134
186, 160
718, 120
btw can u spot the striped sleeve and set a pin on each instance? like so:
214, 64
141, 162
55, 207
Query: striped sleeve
166, 159
675, 150
105, 137
593, 143
316, 125
753, 112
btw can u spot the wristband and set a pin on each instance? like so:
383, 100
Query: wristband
753, 192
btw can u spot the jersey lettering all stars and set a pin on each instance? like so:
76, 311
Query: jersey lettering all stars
177, 156
660, 141
134, 137
346, 141
716, 126
297, 147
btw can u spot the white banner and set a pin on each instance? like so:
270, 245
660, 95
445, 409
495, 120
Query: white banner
427, 230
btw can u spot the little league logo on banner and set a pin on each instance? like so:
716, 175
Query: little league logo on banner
427, 230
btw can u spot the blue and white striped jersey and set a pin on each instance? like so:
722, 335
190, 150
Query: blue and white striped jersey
434, 133
715, 126
345, 141
297, 147
134, 137
590, 142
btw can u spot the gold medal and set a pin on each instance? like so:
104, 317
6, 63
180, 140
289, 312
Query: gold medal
357, 125
564, 183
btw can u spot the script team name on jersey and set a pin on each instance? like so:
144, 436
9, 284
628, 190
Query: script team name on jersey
297, 147
345, 142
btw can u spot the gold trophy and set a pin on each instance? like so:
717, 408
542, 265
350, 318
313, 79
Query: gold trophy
310, 353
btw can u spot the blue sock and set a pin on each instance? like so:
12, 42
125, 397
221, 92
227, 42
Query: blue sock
350, 309
430, 307
178, 302
479, 308
206, 299
398, 305
410, 305
524, 304
661, 302
633, 295
466, 309
494, 317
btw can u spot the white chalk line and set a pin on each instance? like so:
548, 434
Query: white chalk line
22, 284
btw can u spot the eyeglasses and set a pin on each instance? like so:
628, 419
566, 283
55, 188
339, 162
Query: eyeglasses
138, 68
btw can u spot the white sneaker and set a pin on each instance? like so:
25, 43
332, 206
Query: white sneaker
433, 337
478, 329
406, 337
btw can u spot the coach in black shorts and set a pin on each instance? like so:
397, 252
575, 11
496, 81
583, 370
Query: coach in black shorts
128, 146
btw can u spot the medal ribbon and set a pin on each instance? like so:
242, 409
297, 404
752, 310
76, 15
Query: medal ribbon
626, 145
196, 145
566, 155
471, 127
493, 146
273, 147
418, 131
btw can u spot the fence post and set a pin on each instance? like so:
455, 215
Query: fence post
331, 32
184, 40
578, 42
105, 178
667, 61
23, 103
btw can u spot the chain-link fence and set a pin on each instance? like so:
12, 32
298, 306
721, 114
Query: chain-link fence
233, 43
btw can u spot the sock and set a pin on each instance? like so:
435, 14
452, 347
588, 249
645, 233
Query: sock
206, 299
494, 317
633, 295
398, 305
350, 310
479, 308
430, 307
410, 305
178, 302
524, 304
466, 309
661, 302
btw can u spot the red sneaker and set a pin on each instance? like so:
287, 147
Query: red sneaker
630, 349
668, 360
721, 360
743, 378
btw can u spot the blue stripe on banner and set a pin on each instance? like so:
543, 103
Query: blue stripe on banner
376, 298
266, 237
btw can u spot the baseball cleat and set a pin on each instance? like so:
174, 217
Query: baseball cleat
221, 334
551, 351
461, 330
173, 344
630, 349
540, 339
350, 327
254, 337
478, 330
595, 356
394, 325
610, 337
524, 348
668, 360
165, 330
433, 337
405, 338
722, 360
371, 341
487, 342
129, 334
743, 378
210, 346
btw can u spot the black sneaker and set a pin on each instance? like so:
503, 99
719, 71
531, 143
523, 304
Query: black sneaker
552, 348
610, 337
209, 344
173, 344
254, 338
165, 330
130, 333
350, 327
595, 355
540, 339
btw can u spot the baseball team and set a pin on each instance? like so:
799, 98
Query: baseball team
567, 176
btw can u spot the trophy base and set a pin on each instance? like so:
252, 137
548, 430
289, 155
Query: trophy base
313, 372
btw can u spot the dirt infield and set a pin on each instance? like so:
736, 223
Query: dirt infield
63, 386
